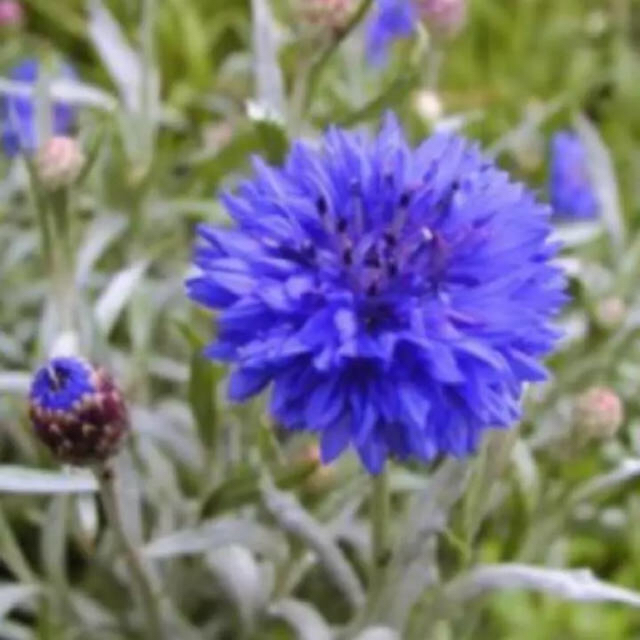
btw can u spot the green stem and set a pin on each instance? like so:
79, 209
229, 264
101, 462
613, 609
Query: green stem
139, 577
64, 264
318, 67
379, 532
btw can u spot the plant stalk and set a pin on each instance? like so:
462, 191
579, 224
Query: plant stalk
139, 576
379, 534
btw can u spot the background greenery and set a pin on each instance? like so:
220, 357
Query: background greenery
200, 474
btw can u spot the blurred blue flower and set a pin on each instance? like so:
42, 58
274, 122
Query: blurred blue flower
18, 113
77, 410
395, 19
571, 191
391, 20
396, 298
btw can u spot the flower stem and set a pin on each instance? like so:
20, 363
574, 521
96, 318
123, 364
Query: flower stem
139, 576
379, 532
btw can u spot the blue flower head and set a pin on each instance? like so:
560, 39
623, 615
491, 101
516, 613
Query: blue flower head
391, 20
395, 299
18, 126
77, 410
571, 190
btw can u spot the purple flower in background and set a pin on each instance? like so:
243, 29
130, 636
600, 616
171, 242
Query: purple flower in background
392, 19
395, 19
18, 112
571, 191
395, 299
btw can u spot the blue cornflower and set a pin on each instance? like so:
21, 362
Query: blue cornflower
18, 112
396, 299
571, 191
77, 410
395, 19
392, 20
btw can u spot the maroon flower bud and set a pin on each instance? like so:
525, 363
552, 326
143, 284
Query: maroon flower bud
77, 411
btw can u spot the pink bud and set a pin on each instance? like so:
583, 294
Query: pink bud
598, 413
11, 13
59, 162
330, 15
443, 17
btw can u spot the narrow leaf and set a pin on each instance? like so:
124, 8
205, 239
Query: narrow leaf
268, 76
219, 533
570, 584
17, 479
240, 578
13, 595
292, 517
303, 619
117, 294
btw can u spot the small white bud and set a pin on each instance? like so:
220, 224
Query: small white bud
59, 162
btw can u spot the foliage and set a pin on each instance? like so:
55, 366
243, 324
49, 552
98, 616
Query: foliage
244, 535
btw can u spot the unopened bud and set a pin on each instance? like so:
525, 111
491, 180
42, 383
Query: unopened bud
443, 17
597, 414
327, 15
610, 312
11, 13
323, 475
428, 105
59, 162
77, 411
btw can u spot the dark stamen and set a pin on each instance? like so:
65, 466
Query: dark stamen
342, 225
372, 289
405, 198
372, 259
347, 257
321, 205
390, 238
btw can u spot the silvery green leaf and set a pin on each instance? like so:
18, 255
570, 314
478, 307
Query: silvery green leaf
86, 518
570, 584
268, 76
296, 520
18, 479
627, 470
174, 433
219, 533
487, 467
66, 343
576, 234
91, 612
401, 480
378, 633
12, 595
11, 552
429, 510
128, 488
414, 567
17, 382
117, 294
303, 618
604, 180
120, 59
53, 543
240, 578
99, 235
14, 631
66, 90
